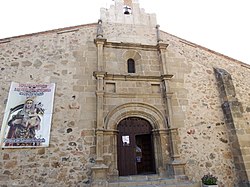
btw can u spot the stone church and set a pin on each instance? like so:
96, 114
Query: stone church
134, 105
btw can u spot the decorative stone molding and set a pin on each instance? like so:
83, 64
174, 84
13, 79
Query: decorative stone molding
126, 45
155, 118
148, 112
130, 77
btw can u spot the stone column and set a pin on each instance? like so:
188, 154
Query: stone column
176, 168
161, 146
237, 128
99, 170
111, 153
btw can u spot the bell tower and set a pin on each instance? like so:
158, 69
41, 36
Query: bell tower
127, 12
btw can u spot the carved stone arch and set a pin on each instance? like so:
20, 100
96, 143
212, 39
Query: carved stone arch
159, 132
133, 54
142, 110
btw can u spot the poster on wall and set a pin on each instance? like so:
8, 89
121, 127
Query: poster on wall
28, 115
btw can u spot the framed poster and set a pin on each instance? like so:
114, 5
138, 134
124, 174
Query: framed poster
28, 115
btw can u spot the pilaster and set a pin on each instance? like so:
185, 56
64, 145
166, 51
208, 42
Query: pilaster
175, 167
100, 45
99, 114
99, 170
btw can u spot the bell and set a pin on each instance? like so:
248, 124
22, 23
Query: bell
126, 10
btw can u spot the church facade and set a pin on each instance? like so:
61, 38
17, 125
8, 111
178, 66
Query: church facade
130, 100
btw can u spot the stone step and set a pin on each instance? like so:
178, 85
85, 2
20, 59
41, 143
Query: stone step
139, 177
149, 181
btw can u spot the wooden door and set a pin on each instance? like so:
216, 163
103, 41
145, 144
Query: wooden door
131, 161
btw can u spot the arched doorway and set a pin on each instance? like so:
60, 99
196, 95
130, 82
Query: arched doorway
135, 151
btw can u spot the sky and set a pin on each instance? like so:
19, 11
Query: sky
219, 25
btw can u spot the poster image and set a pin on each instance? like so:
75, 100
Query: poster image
125, 140
28, 115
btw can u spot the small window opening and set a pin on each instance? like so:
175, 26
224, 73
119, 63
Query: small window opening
131, 65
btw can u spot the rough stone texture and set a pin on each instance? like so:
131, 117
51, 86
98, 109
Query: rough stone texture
204, 132
69, 57
60, 58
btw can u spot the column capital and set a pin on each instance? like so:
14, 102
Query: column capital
98, 74
99, 93
160, 131
162, 46
167, 76
100, 41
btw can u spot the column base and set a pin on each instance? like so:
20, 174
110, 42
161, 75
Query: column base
99, 175
176, 169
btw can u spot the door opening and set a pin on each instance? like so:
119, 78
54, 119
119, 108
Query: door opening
135, 147
144, 154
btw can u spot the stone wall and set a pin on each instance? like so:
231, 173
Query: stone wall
68, 57
205, 136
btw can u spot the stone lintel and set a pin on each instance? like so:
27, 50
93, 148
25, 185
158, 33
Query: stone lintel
132, 95
129, 77
125, 45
